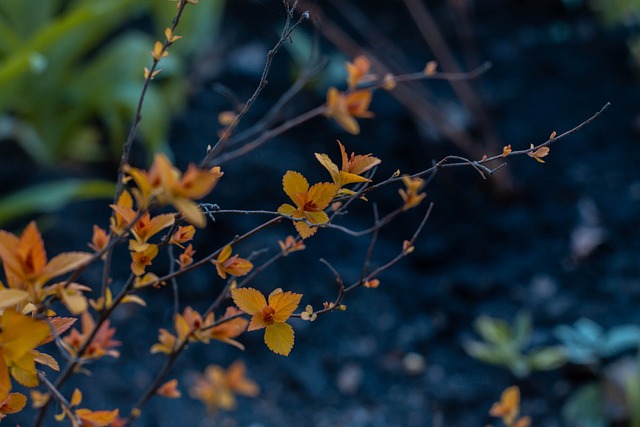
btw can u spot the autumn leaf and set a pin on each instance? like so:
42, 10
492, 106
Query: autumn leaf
271, 315
96, 418
352, 167
27, 268
19, 335
99, 240
102, 343
159, 51
310, 202
345, 107
508, 407
183, 235
169, 389
232, 265
539, 153
147, 227
186, 257
411, 195
166, 185
227, 331
140, 260
12, 404
357, 70
217, 387
290, 245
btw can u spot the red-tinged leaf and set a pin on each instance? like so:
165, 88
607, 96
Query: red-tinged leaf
169, 389
30, 250
279, 338
249, 300
322, 194
45, 359
257, 322
60, 325
14, 403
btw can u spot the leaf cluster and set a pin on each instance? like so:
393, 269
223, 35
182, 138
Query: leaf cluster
509, 346
52, 53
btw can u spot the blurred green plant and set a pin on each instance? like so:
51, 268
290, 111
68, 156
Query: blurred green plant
586, 342
614, 396
509, 346
71, 72
617, 13
51, 196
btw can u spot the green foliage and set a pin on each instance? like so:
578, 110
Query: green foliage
584, 407
508, 346
51, 196
586, 342
616, 13
70, 75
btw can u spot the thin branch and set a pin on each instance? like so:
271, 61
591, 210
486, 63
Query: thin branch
286, 33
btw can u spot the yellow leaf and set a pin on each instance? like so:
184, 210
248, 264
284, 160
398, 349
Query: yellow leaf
248, 300
279, 338
12, 297
284, 304
305, 230
5, 380
20, 335
76, 397
293, 184
134, 299
182, 328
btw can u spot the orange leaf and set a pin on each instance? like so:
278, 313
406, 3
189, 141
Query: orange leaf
284, 303
169, 389
509, 405
96, 418
14, 403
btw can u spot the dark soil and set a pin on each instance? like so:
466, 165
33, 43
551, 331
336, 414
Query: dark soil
480, 254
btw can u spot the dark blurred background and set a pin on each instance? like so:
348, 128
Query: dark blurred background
558, 241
